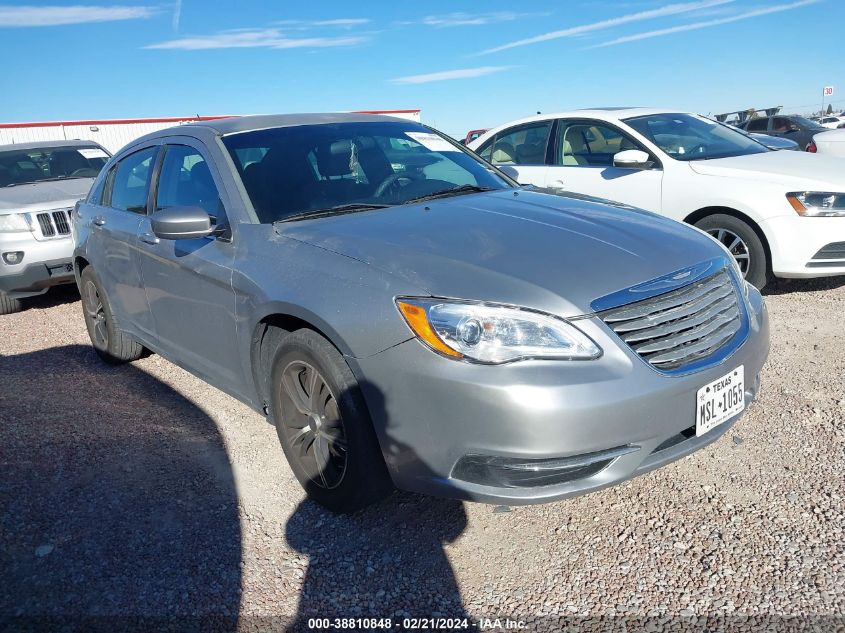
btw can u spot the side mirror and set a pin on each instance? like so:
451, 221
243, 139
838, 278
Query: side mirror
510, 171
632, 159
180, 223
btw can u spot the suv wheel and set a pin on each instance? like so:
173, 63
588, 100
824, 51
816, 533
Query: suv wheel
743, 243
110, 343
323, 425
9, 305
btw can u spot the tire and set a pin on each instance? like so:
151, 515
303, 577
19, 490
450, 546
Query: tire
329, 440
110, 342
9, 305
749, 253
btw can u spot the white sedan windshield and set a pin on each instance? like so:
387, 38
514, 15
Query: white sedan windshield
689, 137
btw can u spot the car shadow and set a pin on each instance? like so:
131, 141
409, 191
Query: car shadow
386, 561
55, 296
118, 504
780, 286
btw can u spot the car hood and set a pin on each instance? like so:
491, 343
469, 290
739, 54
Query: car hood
792, 170
44, 195
548, 252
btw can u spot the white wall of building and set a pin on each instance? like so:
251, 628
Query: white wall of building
112, 136
115, 134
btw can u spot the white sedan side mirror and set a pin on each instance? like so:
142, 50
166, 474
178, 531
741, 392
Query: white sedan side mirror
632, 159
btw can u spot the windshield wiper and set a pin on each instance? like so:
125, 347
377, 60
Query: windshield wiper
339, 209
446, 193
35, 182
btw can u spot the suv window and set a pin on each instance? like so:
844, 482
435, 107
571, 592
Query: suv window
590, 144
757, 125
185, 181
22, 166
525, 145
129, 181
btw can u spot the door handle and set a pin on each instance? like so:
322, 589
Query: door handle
557, 184
99, 220
149, 238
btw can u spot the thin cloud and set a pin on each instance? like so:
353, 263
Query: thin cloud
29, 16
177, 14
255, 38
703, 25
446, 75
339, 22
670, 9
342, 22
469, 19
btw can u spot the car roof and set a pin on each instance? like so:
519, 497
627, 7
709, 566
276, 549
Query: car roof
608, 113
44, 144
233, 125
236, 124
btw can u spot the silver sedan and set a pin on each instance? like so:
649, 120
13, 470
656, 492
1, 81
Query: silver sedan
408, 316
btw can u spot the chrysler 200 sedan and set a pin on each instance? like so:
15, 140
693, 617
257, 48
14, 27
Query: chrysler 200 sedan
408, 316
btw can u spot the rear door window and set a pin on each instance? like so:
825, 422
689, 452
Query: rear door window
524, 145
129, 181
757, 125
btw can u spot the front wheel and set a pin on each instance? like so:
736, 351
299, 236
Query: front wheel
744, 245
9, 305
324, 426
110, 343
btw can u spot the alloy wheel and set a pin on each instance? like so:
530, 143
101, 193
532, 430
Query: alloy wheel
313, 424
96, 315
737, 247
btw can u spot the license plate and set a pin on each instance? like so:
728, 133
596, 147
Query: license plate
719, 400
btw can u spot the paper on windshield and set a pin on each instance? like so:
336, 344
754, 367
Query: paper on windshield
92, 152
432, 141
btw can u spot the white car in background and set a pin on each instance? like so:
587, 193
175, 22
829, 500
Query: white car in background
780, 213
832, 122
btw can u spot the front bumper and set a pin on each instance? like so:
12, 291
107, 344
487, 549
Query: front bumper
795, 243
429, 412
44, 264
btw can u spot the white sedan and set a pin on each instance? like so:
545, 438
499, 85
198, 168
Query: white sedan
832, 121
780, 213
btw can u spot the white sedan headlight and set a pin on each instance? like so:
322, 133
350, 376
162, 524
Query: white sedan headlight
817, 203
493, 334
13, 223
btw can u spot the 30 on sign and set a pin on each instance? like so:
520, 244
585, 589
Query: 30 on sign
828, 91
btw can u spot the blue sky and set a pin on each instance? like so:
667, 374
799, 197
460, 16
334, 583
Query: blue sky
465, 64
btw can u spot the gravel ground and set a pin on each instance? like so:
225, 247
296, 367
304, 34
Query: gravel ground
140, 491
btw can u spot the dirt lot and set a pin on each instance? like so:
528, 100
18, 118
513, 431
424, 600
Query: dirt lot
140, 491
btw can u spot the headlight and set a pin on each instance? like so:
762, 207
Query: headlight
817, 203
493, 334
14, 223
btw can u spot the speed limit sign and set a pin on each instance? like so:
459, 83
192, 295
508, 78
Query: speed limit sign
828, 91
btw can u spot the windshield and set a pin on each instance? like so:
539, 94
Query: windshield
807, 123
689, 137
291, 171
22, 166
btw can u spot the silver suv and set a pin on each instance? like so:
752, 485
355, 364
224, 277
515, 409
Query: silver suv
39, 185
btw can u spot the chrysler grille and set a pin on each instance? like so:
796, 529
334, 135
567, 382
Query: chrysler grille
682, 326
